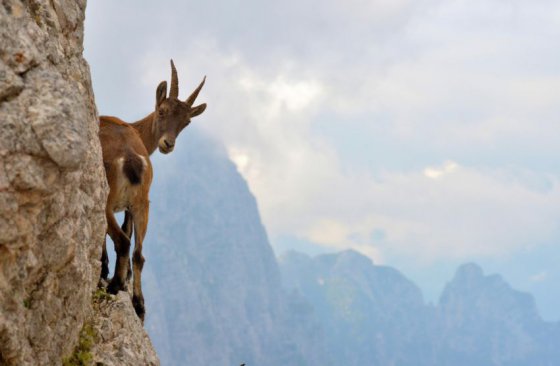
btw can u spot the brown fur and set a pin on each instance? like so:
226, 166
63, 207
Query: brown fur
126, 156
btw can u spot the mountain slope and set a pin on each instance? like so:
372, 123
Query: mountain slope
372, 314
212, 283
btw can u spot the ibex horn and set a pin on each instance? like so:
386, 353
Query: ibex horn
174, 91
192, 98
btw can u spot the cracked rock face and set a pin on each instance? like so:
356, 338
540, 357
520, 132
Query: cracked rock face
52, 182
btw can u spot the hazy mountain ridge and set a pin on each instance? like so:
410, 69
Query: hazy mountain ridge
225, 301
485, 321
373, 314
480, 320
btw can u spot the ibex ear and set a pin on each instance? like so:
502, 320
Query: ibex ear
161, 93
195, 111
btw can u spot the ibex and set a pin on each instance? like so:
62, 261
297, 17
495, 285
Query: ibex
126, 150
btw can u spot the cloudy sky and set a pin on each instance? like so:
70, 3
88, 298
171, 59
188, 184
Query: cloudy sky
421, 133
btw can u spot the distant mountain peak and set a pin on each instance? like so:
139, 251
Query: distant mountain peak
355, 257
469, 271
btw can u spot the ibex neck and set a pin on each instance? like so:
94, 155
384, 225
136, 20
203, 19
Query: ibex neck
144, 128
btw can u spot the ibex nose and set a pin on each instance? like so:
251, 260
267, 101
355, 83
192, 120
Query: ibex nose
168, 144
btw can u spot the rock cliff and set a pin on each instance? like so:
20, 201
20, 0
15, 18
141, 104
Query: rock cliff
212, 284
52, 188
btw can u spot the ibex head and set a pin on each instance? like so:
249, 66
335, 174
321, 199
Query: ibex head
172, 115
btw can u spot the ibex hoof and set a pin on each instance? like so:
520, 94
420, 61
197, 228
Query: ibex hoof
138, 304
115, 286
104, 274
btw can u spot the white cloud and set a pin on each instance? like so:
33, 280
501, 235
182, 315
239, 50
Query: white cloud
469, 213
539, 277
437, 172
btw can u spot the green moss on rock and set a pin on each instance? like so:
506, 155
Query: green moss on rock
82, 355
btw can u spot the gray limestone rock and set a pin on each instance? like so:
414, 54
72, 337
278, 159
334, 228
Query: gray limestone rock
52, 189
122, 339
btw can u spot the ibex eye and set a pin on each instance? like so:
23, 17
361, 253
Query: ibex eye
160, 112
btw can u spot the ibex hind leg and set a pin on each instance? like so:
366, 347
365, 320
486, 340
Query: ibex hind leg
127, 229
140, 227
104, 261
122, 247
104, 266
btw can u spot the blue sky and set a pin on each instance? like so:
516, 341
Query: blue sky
423, 134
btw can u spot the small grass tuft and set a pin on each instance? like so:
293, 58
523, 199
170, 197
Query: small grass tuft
82, 355
100, 295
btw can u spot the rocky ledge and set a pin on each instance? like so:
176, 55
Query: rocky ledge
114, 336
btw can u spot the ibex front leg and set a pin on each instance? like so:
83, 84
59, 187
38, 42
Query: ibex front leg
122, 247
140, 215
